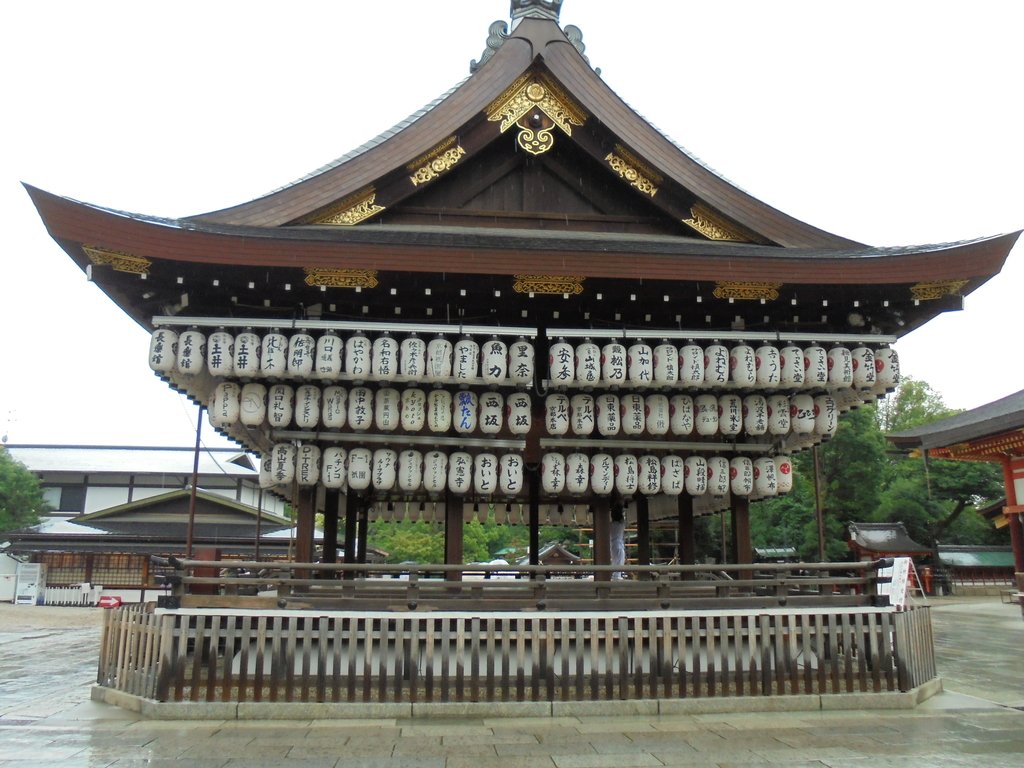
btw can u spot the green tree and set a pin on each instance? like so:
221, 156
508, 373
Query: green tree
21, 498
913, 404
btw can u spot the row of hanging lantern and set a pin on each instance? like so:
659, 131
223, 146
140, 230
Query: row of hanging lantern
300, 355
410, 471
743, 366
439, 411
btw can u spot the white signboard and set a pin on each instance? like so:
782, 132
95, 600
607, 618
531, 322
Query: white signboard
31, 584
898, 588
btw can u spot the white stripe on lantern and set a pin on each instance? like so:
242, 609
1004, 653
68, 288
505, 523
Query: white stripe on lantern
334, 407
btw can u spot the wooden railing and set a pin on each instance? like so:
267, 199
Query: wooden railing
306, 656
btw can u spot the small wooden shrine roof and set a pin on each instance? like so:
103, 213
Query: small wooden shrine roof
986, 433
883, 539
966, 556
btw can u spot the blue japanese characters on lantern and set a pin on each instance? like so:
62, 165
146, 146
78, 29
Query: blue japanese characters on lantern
466, 358
464, 412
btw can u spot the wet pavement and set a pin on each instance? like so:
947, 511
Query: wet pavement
48, 661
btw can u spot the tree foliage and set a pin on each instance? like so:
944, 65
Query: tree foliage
21, 498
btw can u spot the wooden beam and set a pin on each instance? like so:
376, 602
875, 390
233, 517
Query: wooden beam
453, 522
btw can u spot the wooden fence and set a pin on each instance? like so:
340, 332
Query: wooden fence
238, 655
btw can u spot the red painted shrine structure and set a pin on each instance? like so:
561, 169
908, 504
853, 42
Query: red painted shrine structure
524, 296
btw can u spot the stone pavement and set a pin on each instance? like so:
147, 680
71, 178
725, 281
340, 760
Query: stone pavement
47, 663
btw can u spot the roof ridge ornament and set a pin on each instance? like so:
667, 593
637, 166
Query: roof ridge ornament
535, 9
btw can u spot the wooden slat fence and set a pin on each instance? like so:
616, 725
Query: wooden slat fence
297, 656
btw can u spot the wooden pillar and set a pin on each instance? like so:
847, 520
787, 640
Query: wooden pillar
363, 532
643, 531
352, 504
602, 513
305, 526
332, 511
533, 478
453, 534
1016, 533
742, 550
686, 538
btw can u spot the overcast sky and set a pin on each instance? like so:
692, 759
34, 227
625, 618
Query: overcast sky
892, 123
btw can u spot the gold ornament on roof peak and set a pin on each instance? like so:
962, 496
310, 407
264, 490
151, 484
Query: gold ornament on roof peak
119, 260
526, 104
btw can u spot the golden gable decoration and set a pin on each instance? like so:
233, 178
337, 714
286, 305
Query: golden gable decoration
715, 226
936, 290
119, 260
325, 277
437, 161
349, 211
632, 170
549, 284
746, 291
528, 94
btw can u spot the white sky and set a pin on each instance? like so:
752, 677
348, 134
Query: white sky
892, 123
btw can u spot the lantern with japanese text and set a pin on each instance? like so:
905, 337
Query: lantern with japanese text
360, 409
840, 367
435, 471
412, 357
666, 364
716, 365
730, 415
755, 415
602, 474
307, 406
357, 357
815, 367
826, 415
494, 365
582, 420
791, 362
492, 413
220, 354
334, 405
439, 410
765, 477
887, 370
561, 367
224, 404
521, 362
613, 363
247, 355
588, 363
410, 470
691, 365
656, 413
783, 473
768, 361
273, 355
386, 409
333, 470
510, 474
556, 414
519, 412
718, 475
607, 409
577, 473
163, 350
466, 358
330, 352
464, 411
360, 468
778, 415
864, 373
640, 364
307, 465
460, 472
695, 475
627, 479
743, 365
439, 359
282, 466
631, 414
384, 358
552, 473
301, 351
385, 466
649, 475
414, 409
485, 474
681, 412
252, 404
706, 414
191, 352
741, 476
672, 472
266, 477
280, 406
801, 414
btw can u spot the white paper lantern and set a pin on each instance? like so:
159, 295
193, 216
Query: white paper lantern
691, 365
492, 413
741, 476
494, 369
695, 475
706, 419
307, 406
253, 404
840, 367
672, 475
801, 414
864, 373
887, 370
716, 365
666, 364
224, 406
519, 413
768, 361
583, 415
307, 465
510, 474
743, 365
330, 354
334, 404
464, 411
681, 415
439, 410
410, 470
561, 366
191, 352
360, 468
485, 474
577, 473
613, 363
413, 409
552, 473
718, 476
779, 422
631, 413
273, 355
357, 357
783, 473
607, 408
280, 406
384, 358
755, 415
435, 472
826, 415
466, 359
439, 359
333, 469
556, 414
588, 363
460, 472
602, 474
640, 364
387, 410
360, 408
220, 354
163, 350
791, 361
521, 362
412, 357
627, 474
247, 355
730, 415
649, 475
815, 367
266, 478
282, 466
301, 352
385, 469
765, 478
656, 414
